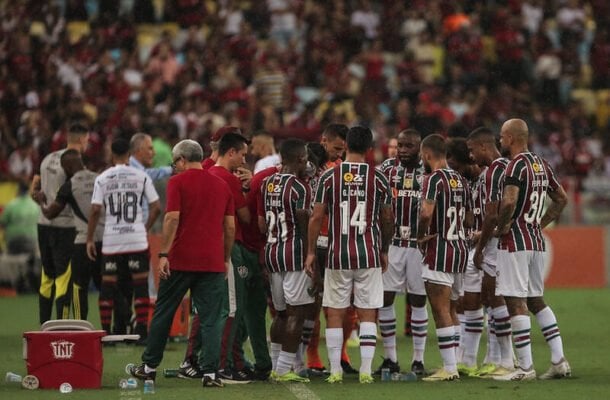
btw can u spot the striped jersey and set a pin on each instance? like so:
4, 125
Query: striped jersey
282, 195
535, 178
492, 192
77, 192
477, 192
354, 193
405, 184
52, 176
448, 251
122, 190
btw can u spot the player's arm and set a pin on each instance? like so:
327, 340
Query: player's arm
94, 217
153, 213
507, 207
560, 199
387, 227
170, 227
490, 221
313, 231
426, 211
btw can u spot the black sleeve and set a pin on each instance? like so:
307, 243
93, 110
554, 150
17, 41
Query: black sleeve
64, 194
511, 180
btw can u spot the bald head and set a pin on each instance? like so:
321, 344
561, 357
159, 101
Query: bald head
517, 128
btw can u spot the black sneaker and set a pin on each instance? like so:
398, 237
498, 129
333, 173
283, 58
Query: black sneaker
138, 371
234, 377
208, 381
387, 363
347, 368
318, 371
260, 375
418, 368
189, 371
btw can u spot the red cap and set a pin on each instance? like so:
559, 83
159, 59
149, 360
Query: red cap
223, 131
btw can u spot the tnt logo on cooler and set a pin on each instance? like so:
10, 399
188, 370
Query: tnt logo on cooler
62, 349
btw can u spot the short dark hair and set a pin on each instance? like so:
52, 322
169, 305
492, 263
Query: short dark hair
336, 130
78, 129
436, 144
231, 141
410, 132
482, 134
69, 153
359, 139
457, 150
119, 147
316, 153
291, 149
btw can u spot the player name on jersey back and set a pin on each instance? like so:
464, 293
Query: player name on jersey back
122, 190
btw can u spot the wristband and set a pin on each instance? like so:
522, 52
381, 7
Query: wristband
161, 255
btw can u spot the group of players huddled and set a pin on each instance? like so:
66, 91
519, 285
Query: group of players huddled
455, 222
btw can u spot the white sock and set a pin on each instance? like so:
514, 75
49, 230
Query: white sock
275, 353
419, 331
460, 330
368, 340
387, 327
472, 336
550, 330
285, 362
148, 369
334, 342
493, 349
299, 363
446, 344
521, 337
501, 320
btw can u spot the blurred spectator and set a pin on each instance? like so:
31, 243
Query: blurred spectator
20, 162
366, 18
19, 219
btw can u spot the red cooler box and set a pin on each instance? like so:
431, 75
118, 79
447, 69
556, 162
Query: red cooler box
55, 357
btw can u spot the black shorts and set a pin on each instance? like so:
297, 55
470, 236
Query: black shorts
83, 268
133, 263
56, 247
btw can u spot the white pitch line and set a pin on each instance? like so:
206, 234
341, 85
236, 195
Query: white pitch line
301, 391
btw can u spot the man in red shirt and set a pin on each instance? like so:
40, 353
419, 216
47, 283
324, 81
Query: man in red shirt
199, 209
232, 150
211, 160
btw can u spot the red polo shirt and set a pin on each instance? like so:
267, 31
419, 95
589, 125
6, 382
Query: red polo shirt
238, 197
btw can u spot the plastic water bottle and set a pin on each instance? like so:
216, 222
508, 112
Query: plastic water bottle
408, 377
65, 388
129, 367
13, 377
149, 386
130, 383
170, 372
385, 374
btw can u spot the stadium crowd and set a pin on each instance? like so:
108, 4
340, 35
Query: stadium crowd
181, 69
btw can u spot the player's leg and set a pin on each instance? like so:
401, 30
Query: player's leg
438, 289
138, 264
512, 283
473, 318
314, 362
255, 315
416, 294
337, 293
110, 265
189, 368
123, 299
308, 327
47, 275
169, 298
295, 287
278, 324
501, 319
394, 280
81, 267
350, 322
546, 320
62, 240
368, 298
209, 295
231, 348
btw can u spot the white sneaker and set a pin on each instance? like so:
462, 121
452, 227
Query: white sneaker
558, 371
517, 375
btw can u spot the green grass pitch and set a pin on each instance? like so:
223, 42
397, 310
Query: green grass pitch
582, 316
